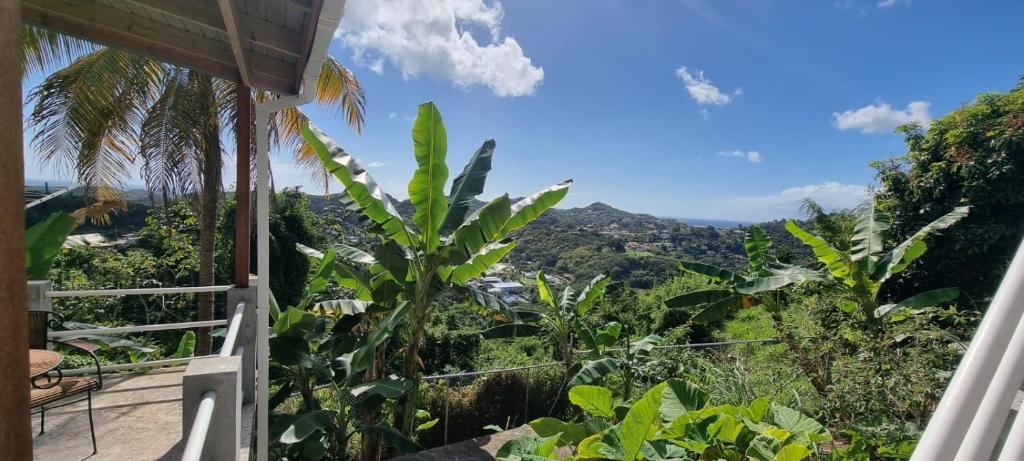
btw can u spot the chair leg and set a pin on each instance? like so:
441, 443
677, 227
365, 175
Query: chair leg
92, 429
42, 420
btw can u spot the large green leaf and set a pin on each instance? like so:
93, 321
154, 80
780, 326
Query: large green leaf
718, 310
713, 272
187, 345
544, 290
480, 229
837, 262
426, 189
359, 185
511, 330
921, 300
803, 427
391, 387
43, 242
781, 275
488, 305
912, 248
466, 186
594, 400
362, 358
353, 254
294, 322
593, 291
681, 397
342, 307
296, 428
699, 297
758, 247
569, 434
527, 448
487, 257
869, 235
291, 351
593, 371
529, 208
793, 452
640, 423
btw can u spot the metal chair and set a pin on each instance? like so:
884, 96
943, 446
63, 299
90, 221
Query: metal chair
53, 387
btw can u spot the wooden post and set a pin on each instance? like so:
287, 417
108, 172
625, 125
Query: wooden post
15, 425
243, 141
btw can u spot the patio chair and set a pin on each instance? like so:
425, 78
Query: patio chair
54, 390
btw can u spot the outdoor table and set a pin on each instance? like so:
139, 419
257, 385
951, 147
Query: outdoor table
41, 362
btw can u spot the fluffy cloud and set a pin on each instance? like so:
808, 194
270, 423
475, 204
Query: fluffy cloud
702, 90
786, 204
379, 164
882, 118
751, 156
888, 3
433, 38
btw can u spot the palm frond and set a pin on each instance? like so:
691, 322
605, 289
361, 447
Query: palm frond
43, 50
170, 138
86, 116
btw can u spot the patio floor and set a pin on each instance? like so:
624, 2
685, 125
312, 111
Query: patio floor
137, 416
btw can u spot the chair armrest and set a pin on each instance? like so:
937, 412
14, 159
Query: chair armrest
88, 348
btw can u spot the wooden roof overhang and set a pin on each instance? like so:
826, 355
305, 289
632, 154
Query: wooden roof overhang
262, 43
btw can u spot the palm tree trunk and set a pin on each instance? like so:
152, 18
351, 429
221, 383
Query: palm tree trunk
208, 228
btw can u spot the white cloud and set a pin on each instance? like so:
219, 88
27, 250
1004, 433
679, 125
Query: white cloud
392, 115
786, 204
888, 3
881, 117
751, 156
433, 37
379, 164
702, 90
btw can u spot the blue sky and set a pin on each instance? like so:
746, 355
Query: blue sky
711, 109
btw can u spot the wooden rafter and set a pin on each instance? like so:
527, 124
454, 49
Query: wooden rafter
233, 28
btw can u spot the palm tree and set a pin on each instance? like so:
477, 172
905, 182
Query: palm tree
109, 109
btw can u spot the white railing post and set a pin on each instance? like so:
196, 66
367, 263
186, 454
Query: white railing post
215, 381
37, 299
960, 403
246, 335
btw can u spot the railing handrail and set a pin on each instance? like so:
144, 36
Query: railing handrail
200, 427
133, 366
228, 349
137, 328
137, 291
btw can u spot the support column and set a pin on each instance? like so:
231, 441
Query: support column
15, 426
243, 143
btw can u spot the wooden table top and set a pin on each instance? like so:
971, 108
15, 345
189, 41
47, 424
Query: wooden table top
41, 361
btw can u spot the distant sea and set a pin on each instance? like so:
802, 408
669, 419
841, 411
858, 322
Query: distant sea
721, 223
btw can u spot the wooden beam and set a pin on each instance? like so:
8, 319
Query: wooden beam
206, 14
232, 28
114, 27
15, 425
243, 172
307, 46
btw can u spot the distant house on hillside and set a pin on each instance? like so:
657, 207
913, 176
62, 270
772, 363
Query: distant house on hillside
508, 288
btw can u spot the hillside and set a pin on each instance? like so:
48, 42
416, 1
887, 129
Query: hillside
578, 243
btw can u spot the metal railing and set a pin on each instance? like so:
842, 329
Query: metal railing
973, 412
214, 385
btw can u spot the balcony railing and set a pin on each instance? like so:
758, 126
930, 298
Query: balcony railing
214, 387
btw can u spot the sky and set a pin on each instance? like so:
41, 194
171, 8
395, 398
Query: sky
721, 109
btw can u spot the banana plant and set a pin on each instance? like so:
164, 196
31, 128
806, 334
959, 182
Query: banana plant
560, 320
604, 359
337, 344
862, 271
762, 284
445, 245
